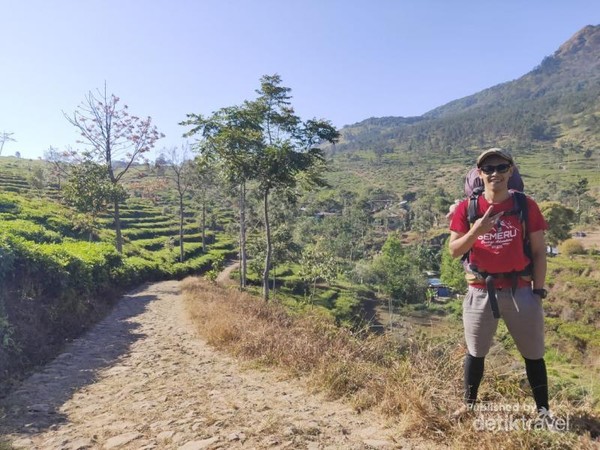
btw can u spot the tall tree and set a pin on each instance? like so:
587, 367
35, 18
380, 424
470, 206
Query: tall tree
397, 274
4, 138
228, 139
264, 141
114, 138
182, 176
205, 182
288, 152
59, 164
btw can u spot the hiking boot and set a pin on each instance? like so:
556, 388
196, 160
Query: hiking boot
547, 421
461, 413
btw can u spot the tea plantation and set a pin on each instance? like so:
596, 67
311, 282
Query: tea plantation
57, 278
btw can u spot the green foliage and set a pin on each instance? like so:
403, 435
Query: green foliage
560, 221
430, 208
30, 231
346, 306
150, 232
452, 272
397, 273
90, 190
316, 265
265, 142
217, 266
58, 270
586, 335
48, 214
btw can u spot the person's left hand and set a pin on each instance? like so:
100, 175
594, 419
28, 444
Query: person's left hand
452, 209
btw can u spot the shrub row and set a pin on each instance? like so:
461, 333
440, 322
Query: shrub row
146, 233
50, 292
159, 243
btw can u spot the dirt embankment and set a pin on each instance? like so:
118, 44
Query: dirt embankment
142, 379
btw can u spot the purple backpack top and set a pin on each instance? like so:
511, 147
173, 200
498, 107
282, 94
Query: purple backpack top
472, 181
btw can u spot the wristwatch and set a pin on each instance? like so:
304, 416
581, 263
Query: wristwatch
542, 293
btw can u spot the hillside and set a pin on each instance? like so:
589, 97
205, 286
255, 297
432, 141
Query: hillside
554, 109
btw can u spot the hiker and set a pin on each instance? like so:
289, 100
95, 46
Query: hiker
506, 269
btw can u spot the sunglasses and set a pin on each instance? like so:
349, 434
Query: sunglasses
500, 168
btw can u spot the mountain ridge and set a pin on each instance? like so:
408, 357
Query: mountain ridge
557, 101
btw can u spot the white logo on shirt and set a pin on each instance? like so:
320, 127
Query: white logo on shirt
500, 236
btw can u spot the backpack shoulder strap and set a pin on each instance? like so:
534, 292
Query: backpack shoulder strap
520, 201
472, 215
521, 209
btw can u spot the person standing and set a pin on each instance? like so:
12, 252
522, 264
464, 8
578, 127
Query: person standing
506, 271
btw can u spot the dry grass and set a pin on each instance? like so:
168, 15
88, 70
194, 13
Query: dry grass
415, 382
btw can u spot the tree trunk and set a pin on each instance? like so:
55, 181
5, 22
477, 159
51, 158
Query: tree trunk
243, 261
265, 279
117, 217
181, 253
203, 225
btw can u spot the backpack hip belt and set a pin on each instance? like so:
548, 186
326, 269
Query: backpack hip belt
474, 275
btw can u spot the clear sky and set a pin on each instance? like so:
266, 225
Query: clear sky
345, 60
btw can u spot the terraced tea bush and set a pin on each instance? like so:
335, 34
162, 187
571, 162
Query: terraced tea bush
146, 233
30, 231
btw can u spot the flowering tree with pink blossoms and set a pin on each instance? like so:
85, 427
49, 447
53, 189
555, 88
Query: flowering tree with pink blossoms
113, 138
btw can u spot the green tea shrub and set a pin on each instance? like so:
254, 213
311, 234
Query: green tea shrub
30, 231
136, 269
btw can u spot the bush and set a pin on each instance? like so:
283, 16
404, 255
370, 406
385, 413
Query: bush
30, 231
346, 307
571, 247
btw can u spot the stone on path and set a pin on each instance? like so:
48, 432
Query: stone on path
120, 440
200, 445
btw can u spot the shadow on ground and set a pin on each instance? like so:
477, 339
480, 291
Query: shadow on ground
35, 404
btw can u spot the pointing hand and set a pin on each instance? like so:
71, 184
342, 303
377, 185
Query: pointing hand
487, 222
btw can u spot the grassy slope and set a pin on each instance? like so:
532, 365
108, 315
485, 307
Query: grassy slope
414, 382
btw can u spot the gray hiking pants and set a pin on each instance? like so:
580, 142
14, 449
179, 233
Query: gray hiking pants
525, 321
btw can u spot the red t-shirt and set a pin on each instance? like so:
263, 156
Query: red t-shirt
501, 249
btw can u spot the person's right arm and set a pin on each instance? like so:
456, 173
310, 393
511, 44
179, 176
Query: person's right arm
461, 243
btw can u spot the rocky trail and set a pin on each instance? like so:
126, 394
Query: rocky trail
143, 379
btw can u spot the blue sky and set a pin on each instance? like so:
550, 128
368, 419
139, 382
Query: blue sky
344, 60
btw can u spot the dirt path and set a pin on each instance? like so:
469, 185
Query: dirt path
224, 276
141, 379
